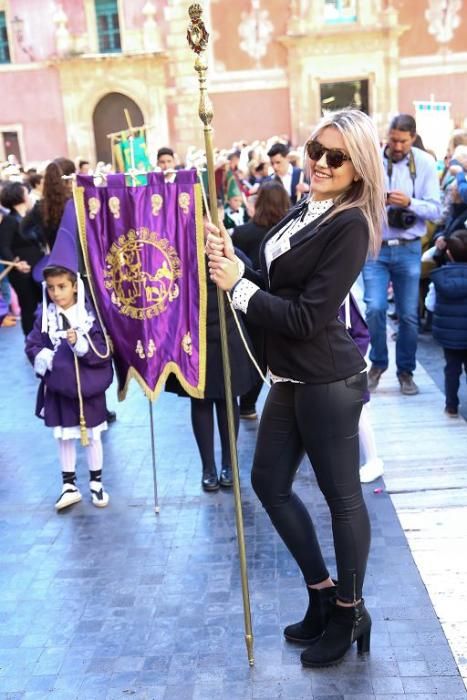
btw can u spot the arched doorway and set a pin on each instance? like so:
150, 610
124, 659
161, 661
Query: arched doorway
109, 117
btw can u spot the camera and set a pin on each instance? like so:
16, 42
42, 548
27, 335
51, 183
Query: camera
399, 217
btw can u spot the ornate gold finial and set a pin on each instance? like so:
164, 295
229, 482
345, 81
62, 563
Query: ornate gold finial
195, 11
197, 35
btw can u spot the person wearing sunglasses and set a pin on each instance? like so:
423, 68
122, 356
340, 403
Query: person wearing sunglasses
309, 262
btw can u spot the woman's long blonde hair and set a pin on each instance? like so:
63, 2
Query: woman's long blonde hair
368, 193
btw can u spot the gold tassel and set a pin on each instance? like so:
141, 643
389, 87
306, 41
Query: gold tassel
83, 432
82, 421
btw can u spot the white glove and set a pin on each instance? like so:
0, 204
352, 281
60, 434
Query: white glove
81, 346
43, 361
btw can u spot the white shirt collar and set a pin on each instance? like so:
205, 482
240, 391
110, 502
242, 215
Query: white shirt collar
319, 206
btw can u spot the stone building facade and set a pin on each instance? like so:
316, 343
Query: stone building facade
69, 69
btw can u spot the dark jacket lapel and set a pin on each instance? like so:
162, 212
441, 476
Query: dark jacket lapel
294, 211
295, 240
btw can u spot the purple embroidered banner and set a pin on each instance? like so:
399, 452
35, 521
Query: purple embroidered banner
143, 250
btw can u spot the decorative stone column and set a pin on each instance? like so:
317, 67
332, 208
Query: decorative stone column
369, 12
62, 35
304, 14
151, 35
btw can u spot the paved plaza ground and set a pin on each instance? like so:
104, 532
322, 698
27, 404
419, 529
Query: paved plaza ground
124, 603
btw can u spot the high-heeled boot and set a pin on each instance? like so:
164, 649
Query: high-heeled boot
316, 617
209, 480
346, 626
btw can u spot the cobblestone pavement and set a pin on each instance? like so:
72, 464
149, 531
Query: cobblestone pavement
120, 602
425, 474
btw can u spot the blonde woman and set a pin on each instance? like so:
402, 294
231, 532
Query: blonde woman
309, 262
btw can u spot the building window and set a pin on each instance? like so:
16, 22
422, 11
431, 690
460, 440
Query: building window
10, 145
4, 48
108, 28
337, 11
352, 93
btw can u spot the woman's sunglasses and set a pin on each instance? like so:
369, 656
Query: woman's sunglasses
335, 158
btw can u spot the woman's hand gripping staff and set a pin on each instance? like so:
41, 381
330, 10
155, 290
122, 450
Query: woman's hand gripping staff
224, 268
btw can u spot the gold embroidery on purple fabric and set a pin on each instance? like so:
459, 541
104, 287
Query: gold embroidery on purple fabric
150, 350
187, 344
156, 202
141, 274
184, 202
94, 206
114, 206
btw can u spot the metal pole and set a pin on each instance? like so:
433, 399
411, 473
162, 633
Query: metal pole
153, 454
197, 37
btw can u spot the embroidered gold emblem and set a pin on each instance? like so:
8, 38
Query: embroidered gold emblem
184, 202
156, 201
114, 206
94, 206
141, 273
187, 344
150, 350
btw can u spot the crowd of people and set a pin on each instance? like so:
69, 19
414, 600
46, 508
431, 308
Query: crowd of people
298, 228
424, 209
256, 184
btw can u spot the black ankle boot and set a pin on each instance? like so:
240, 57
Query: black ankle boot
316, 618
209, 481
346, 625
226, 478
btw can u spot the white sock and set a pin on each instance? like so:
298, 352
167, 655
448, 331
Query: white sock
67, 451
366, 436
95, 455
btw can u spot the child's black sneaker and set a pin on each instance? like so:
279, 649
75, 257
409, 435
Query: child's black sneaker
99, 497
451, 412
70, 495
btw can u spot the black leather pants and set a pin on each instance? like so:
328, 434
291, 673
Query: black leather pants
321, 420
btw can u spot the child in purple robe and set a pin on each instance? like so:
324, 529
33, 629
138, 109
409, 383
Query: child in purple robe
69, 352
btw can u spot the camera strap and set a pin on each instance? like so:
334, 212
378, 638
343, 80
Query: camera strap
412, 169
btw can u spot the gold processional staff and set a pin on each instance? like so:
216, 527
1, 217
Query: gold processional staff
197, 37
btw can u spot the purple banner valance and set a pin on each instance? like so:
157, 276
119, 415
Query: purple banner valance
143, 250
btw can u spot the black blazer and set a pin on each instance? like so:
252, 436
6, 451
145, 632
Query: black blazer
249, 238
299, 301
16, 243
